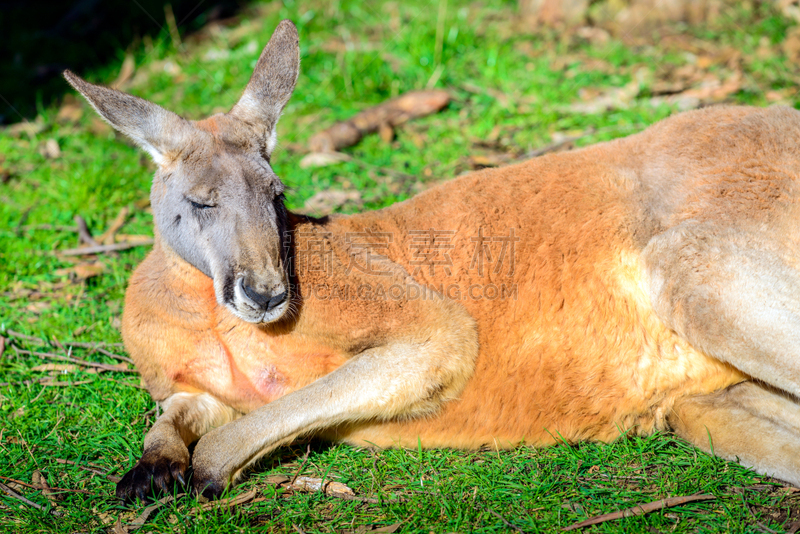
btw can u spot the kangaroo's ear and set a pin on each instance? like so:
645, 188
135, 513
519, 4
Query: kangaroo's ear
150, 126
272, 84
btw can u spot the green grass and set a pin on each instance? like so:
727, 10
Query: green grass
512, 87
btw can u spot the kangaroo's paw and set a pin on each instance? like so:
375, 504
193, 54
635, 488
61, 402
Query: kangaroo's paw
210, 473
152, 475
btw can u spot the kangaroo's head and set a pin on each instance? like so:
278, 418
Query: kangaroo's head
216, 201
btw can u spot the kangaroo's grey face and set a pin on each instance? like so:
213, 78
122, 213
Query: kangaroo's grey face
216, 201
220, 207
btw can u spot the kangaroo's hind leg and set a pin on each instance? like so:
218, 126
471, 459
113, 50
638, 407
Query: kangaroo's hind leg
753, 424
733, 294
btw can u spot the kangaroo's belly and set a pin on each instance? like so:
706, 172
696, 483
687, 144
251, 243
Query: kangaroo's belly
583, 361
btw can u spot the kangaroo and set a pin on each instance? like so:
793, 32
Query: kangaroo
647, 283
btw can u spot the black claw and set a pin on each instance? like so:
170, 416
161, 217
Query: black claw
178, 475
141, 493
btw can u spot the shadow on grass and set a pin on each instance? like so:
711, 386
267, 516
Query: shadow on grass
42, 38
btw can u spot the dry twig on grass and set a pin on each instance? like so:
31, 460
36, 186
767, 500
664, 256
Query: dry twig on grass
50, 227
302, 464
96, 365
88, 345
107, 237
389, 114
101, 249
640, 509
11, 493
41, 486
83, 232
142, 519
93, 346
97, 470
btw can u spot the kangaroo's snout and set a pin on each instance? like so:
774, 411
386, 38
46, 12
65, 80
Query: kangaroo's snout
258, 300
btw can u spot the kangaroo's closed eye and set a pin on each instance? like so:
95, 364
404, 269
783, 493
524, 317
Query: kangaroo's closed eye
199, 205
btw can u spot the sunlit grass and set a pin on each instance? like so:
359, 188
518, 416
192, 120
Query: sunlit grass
510, 86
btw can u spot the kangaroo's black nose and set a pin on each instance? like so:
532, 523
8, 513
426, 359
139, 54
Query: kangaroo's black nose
264, 300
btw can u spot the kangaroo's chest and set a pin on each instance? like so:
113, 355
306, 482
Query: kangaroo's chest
246, 368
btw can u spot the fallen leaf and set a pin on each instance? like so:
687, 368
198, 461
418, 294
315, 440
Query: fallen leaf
39, 480
554, 12
363, 529
233, 501
88, 270
710, 90
325, 202
310, 484
607, 100
789, 9
216, 54
38, 307
99, 127
142, 519
489, 160
50, 149
276, 480
70, 110
594, 34
386, 132
82, 271
782, 96
60, 367
106, 518
791, 45
321, 159
133, 238
119, 528
388, 529
715, 89
27, 127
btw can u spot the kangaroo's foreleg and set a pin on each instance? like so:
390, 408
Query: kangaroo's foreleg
401, 378
755, 425
186, 417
